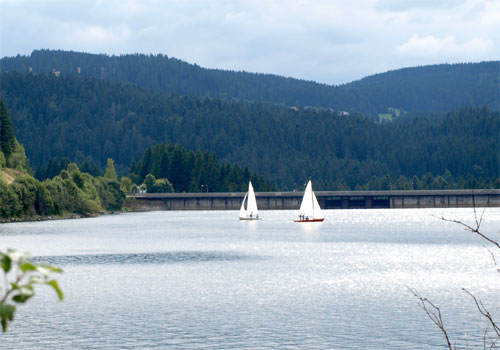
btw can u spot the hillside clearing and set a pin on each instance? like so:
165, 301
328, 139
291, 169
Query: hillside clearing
10, 175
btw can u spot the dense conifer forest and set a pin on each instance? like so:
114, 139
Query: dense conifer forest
88, 120
62, 187
190, 171
437, 88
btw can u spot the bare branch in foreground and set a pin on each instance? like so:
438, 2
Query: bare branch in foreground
494, 260
434, 313
482, 309
472, 229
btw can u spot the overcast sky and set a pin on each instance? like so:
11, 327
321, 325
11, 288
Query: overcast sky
328, 41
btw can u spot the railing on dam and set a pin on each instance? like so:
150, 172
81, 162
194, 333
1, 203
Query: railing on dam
326, 199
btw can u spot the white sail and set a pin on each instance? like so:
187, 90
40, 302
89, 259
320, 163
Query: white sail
243, 212
317, 212
309, 208
250, 212
252, 202
306, 207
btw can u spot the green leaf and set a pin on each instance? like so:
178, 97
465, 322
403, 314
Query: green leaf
5, 262
27, 266
51, 268
21, 298
7, 310
6, 314
55, 285
47, 269
25, 292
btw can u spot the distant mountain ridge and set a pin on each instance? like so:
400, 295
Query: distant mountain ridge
435, 88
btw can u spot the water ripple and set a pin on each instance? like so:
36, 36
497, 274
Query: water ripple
143, 258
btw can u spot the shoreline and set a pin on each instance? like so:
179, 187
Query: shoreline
291, 201
68, 216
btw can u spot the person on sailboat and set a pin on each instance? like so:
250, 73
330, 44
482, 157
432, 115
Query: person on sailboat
251, 212
310, 209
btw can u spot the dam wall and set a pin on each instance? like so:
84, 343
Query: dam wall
326, 199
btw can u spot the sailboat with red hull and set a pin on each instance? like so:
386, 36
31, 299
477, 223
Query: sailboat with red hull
310, 211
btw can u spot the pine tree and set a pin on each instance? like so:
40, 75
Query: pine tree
145, 165
110, 172
7, 138
163, 166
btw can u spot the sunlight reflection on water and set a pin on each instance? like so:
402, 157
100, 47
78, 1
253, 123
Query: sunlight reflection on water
200, 280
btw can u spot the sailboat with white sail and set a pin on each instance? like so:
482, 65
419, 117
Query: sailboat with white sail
250, 212
310, 211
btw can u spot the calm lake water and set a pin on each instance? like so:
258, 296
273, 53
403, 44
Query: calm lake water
205, 280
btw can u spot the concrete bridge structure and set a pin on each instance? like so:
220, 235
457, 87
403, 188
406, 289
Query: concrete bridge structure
326, 199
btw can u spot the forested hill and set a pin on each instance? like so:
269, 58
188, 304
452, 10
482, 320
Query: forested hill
87, 117
429, 89
434, 88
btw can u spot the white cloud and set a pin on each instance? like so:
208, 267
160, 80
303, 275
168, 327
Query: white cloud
446, 47
331, 41
93, 34
405, 5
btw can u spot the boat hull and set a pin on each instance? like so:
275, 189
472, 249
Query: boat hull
310, 220
250, 218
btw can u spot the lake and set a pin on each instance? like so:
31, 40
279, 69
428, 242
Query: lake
205, 280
